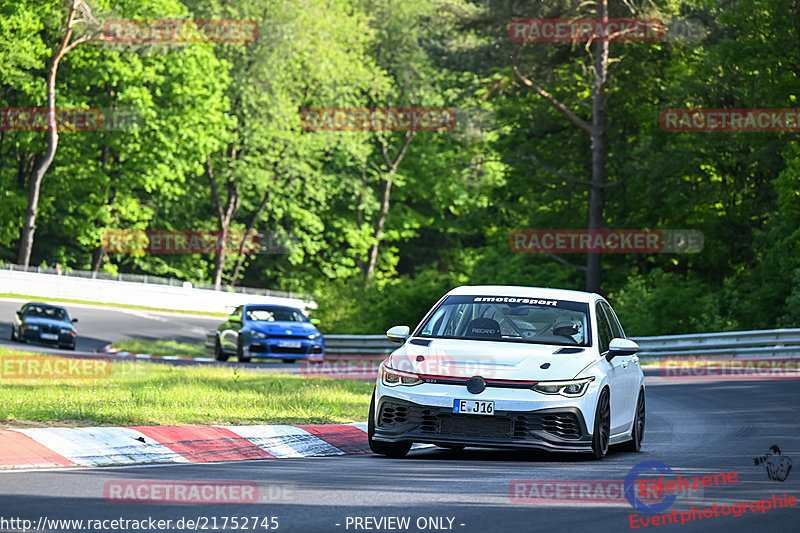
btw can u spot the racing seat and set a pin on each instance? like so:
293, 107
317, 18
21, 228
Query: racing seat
484, 328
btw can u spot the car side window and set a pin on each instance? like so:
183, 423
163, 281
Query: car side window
603, 328
616, 329
237, 313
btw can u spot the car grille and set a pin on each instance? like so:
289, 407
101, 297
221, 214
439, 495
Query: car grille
282, 349
436, 421
49, 329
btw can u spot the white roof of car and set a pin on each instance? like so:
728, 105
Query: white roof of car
526, 292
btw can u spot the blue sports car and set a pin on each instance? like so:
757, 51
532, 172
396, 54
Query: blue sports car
269, 331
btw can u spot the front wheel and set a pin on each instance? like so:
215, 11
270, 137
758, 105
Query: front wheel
389, 449
13, 334
635, 444
602, 426
219, 355
240, 351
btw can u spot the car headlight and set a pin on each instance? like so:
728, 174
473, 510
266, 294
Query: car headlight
571, 389
393, 378
315, 336
66, 330
258, 335
34, 327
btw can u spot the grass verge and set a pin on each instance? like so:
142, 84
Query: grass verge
141, 393
104, 304
161, 347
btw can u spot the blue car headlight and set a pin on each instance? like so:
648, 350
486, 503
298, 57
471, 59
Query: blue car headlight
315, 336
258, 335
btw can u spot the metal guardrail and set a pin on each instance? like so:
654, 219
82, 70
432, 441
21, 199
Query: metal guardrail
763, 343
147, 278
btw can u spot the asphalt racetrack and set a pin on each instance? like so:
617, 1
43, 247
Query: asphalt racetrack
694, 428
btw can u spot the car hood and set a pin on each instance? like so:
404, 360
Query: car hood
37, 321
277, 327
491, 360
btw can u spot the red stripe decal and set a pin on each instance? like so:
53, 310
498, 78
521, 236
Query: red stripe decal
200, 444
349, 439
18, 449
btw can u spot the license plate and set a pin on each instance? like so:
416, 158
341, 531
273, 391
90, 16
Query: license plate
473, 407
289, 344
49, 336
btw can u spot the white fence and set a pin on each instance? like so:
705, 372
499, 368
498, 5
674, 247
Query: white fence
183, 298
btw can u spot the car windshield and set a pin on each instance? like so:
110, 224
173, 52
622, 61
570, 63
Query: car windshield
45, 311
513, 319
273, 314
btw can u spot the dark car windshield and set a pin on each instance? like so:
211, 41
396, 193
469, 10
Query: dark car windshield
514, 319
274, 313
46, 311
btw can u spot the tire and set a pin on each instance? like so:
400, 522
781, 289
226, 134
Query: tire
219, 354
397, 450
637, 433
602, 426
13, 334
67, 347
240, 351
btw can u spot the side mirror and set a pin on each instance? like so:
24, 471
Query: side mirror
398, 333
619, 346
74, 320
315, 321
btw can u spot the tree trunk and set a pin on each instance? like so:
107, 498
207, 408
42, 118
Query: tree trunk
373, 253
598, 134
43, 164
225, 216
391, 168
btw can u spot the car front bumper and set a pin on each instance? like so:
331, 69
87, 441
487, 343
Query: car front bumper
521, 419
271, 348
35, 335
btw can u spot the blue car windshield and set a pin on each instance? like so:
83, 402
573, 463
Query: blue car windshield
45, 311
275, 314
510, 319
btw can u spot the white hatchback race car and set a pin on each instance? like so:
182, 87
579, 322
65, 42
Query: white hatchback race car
511, 367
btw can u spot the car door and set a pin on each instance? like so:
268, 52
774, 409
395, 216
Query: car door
617, 373
229, 335
630, 363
